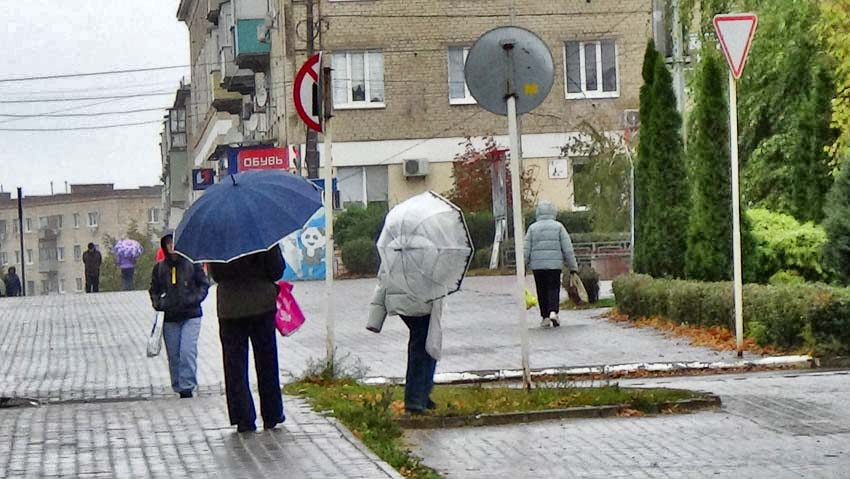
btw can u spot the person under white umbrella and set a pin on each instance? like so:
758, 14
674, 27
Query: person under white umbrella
425, 251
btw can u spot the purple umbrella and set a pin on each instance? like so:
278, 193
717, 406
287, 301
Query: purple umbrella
126, 252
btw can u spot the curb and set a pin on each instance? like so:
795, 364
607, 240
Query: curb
358, 444
613, 370
710, 401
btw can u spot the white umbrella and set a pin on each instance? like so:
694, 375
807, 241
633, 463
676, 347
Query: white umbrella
425, 247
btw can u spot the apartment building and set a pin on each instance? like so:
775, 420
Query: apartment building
57, 228
176, 177
402, 108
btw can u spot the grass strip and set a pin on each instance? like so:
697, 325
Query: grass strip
370, 412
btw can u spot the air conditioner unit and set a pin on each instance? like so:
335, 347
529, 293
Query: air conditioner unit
415, 168
631, 118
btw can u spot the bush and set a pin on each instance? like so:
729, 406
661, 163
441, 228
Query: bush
599, 237
357, 222
788, 316
360, 256
482, 228
786, 277
783, 244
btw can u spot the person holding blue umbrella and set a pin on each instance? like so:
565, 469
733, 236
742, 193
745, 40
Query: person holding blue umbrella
236, 227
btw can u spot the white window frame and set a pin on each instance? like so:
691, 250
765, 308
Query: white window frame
29, 257
467, 99
584, 94
76, 220
27, 225
4, 259
78, 249
79, 285
61, 286
153, 215
60, 253
96, 219
359, 105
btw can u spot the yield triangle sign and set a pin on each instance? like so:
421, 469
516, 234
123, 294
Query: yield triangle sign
735, 33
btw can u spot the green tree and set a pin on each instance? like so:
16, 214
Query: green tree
662, 184
709, 252
605, 178
834, 19
784, 109
837, 223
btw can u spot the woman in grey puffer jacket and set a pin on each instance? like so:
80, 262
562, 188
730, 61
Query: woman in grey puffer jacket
547, 248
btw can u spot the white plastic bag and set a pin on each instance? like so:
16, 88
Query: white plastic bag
155, 338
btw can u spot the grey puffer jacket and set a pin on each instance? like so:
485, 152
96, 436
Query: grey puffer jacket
547, 243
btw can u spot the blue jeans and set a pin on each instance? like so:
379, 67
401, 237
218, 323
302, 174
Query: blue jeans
127, 276
419, 380
181, 345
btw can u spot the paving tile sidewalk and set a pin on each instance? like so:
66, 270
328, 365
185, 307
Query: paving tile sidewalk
176, 438
772, 426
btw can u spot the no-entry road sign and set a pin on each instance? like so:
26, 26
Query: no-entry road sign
735, 32
306, 92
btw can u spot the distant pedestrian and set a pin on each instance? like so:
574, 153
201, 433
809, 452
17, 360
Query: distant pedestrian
247, 294
178, 288
92, 260
126, 252
2, 283
391, 299
12, 282
547, 248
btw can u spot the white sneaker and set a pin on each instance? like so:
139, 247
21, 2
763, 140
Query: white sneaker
545, 323
553, 318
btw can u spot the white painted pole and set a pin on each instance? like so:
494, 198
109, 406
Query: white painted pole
519, 235
736, 217
327, 130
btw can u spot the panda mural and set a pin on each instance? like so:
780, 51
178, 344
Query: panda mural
304, 251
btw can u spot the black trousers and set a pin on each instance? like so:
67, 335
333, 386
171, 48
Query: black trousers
548, 282
419, 380
92, 283
234, 334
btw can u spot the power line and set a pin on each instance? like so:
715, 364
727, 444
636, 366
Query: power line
74, 115
106, 72
114, 97
60, 110
102, 127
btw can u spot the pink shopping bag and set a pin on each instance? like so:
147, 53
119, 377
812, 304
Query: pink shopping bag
289, 316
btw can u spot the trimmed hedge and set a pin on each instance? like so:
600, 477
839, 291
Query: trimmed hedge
360, 256
787, 316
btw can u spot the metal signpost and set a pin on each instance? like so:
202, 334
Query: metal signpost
314, 105
509, 71
735, 33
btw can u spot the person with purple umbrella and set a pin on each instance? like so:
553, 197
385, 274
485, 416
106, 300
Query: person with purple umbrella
126, 252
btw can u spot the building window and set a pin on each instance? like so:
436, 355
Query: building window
29, 256
61, 286
591, 69
93, 217
28, 225
358, 79
78, 252
363, 184
17, 257
4, 260
2, 230
76, 220
59, 221
153, 215
45, 286
42, 222
31, 287
582, 184
79, 285
15, 227
60, 253
458, 90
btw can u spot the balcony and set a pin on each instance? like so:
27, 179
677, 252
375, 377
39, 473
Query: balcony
250, 53
213, 10
48, 233
48, 266
233, 78
222, 99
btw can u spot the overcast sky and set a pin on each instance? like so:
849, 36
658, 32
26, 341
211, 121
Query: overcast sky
47, 37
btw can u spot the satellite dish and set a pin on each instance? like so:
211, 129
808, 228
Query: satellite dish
509, 61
